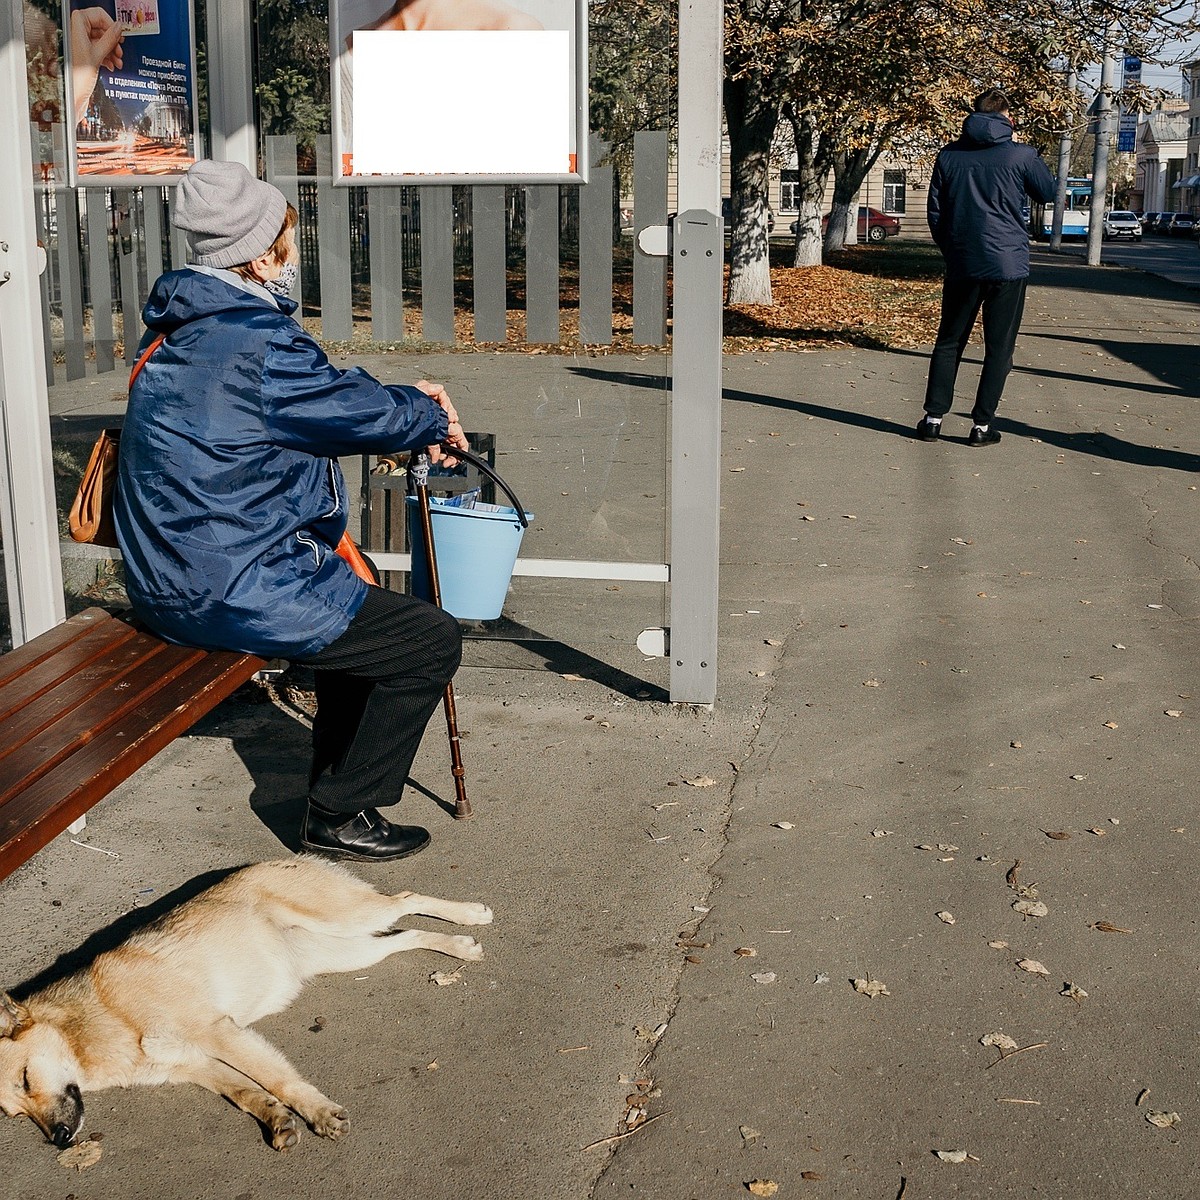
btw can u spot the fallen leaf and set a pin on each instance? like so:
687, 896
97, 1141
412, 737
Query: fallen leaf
1032, 966
1098, 831
82, 1155
762, 1187
870, 683
1015, 745
1058, 835
773, 642
946, 918
1174, 712
1078, 776
746, 952
445, 978
871, 987
811, 1175
881, 833
1110, 725
952, 1156
1108, 927
807, 517
748, 1135
998, 945
763, 976
1075, 993
1000, 1040
701, 781
946, 848
1161, 1120
1030, 908
574, 678
1144, 1094
782, 825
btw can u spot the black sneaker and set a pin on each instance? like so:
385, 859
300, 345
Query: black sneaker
365, 836
983, 437
927, 430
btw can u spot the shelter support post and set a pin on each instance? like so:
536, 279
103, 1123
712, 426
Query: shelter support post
696, 359
28, 515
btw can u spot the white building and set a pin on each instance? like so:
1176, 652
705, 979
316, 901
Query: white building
1161, 160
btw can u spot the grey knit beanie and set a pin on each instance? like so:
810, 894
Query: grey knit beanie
230, 217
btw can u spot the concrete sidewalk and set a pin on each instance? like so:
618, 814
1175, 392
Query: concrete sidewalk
936, 662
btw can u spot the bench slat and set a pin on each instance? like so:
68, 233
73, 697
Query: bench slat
76, 640
83, 707
56, 692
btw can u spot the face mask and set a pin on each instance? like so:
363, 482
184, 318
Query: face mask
286, 281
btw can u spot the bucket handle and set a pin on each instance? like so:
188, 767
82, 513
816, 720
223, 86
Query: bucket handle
484, 466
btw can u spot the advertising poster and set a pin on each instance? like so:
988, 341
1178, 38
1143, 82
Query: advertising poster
459, 91
130, 91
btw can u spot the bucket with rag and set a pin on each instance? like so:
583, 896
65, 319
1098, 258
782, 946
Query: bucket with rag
477, 546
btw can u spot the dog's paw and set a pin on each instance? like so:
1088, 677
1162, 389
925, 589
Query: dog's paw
476, 914
466, 948
332, 1122
285, 1131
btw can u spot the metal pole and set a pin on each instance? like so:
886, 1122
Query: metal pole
1064, 164
28, 513
1104, 130
696, 359
420, 478
231, 83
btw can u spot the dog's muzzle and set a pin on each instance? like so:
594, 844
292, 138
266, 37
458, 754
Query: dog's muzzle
68, 1118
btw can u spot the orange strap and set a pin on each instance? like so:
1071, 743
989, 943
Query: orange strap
141, 362
350, 552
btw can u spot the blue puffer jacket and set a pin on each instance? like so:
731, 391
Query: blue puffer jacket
229, 499
976, 195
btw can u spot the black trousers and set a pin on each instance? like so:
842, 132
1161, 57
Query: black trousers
377, 686
1003, 302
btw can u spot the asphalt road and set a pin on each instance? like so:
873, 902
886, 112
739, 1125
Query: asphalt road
1177, 259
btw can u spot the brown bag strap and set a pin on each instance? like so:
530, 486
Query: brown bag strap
141, 362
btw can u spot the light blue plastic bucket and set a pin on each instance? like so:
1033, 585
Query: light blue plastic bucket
476, 551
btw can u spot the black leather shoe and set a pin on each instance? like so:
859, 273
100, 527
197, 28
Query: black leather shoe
983, 437
928, 431
366, 835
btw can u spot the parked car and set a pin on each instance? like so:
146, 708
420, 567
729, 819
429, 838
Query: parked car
1161, 222
1148, 220
1121, 224
1181, 224
873, 225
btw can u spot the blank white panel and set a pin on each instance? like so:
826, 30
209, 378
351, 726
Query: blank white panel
462, 102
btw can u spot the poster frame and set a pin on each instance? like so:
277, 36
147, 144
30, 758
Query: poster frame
93, 179
581, 126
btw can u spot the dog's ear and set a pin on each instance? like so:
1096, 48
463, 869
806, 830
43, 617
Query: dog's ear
13, 1015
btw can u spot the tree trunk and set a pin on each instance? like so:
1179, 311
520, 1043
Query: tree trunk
751, 119
850, 168
813, 158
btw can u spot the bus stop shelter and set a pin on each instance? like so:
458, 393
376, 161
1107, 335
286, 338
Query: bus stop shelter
692, 240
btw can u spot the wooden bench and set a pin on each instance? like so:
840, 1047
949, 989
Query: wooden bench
82, 707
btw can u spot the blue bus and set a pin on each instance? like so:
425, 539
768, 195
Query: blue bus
1077, 211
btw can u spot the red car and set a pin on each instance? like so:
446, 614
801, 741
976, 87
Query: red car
873, 225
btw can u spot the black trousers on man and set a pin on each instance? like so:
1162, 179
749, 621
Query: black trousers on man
377, 686
1003, 302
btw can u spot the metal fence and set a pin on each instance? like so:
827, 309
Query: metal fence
378, 264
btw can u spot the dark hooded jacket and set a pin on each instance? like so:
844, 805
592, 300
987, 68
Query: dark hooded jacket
976, 196
230, 500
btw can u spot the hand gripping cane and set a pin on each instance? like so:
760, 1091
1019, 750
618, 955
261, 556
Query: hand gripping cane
419, 473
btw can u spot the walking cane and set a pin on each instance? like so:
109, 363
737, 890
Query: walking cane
419, 470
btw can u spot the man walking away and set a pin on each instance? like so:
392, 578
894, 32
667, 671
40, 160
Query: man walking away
976, 196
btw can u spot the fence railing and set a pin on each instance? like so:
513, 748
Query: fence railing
378, 264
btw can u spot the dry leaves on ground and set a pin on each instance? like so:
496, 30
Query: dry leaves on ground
871, 987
